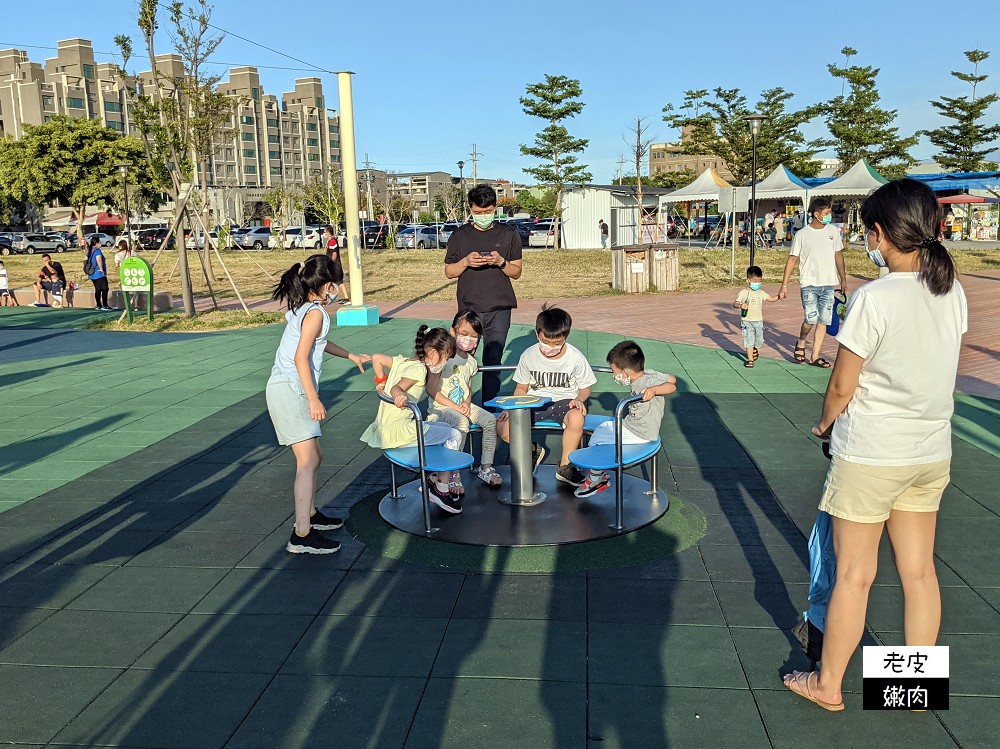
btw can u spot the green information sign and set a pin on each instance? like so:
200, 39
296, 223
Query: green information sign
136, 275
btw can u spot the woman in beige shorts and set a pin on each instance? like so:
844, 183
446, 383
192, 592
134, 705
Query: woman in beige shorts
887, 414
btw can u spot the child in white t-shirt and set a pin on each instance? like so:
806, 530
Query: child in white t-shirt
450, 394
6, 295
554, 369
750, 302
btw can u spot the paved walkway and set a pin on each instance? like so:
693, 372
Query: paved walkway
146, 600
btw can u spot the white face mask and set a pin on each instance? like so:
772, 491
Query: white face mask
875, 255
467, 343
436, 369
623, 379
548, 350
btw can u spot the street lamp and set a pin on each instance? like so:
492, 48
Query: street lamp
123, 168
461, 181
754, 120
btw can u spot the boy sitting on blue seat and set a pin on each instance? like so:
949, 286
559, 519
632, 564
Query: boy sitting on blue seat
554, 369
642, 421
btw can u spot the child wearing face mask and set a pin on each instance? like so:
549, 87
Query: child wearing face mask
554, 369
450, 394
293, 393
404, 380
642, 422
750, 302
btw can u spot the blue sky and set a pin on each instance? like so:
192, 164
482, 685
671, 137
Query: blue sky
434, 78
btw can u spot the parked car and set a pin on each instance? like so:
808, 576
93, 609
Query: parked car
445, 234
417, 237
29, 244
522, 227
62, 236
298, 237
5, 246
542, 234
106, 239
378, 235
258, 238
151, 239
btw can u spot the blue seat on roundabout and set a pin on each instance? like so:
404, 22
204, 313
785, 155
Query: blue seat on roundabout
602, 457
590, 423
436, 458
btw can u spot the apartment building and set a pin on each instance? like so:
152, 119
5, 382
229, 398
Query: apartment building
420, 188
670, 157
272, 141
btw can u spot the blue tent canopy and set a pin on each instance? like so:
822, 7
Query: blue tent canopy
960, 181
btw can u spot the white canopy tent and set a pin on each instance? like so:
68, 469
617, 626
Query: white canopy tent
781, 183
857, 181
704, 189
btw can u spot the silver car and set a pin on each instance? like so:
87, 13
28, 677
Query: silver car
29, 244
417, 237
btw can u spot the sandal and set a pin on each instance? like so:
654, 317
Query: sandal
748, 363
489, 476
798, 682
821, 363
756, 353
800, 354
455, 485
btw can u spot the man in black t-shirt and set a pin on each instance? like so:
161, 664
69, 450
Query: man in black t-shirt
485, 256
49, 276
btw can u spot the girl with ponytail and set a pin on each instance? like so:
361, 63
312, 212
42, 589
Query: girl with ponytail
887, 414
293, 393
404, 379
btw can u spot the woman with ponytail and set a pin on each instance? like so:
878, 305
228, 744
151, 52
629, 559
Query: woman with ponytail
887, 414
404, 379
293, 393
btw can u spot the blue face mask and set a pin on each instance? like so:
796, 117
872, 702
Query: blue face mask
827, 219
755, 286
875, 255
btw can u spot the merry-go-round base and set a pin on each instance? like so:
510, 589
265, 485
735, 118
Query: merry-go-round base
561, 519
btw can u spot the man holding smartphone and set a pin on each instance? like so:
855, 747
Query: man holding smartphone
485, 256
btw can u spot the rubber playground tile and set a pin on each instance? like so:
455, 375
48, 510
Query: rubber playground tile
15, 622
155, 589
625, 716
368, 646
624, 601
964, 721
789, 717
555, 598
239, 643
264, 591
156, 708
748, 528
396, 594
99, 545
554, 651
760, 604
38, 700
235, 517
683, 565
963, 611
957, 504
653, 655
81, 638
463, 713
190, 549
50, 586
51, 513
745, 563
309, 712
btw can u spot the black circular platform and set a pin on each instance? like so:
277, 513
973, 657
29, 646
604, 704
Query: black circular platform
561, 519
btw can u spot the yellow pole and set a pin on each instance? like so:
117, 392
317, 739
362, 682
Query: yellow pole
348, 160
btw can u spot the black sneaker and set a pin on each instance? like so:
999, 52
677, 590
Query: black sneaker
538, 455
570, 474
321, 522
448, 502
312, 543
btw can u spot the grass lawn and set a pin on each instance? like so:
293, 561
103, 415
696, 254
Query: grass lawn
176, 322
404, 275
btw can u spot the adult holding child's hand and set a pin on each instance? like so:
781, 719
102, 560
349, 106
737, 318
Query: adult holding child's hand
887, 413
485, 257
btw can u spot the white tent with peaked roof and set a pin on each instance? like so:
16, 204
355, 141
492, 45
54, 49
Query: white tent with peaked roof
781, 183
857, 181
704, 189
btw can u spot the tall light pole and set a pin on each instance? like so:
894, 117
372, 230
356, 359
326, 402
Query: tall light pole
461, 181
754, 120
123, 168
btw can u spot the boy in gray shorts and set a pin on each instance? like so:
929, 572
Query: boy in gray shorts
751, 303
642, 422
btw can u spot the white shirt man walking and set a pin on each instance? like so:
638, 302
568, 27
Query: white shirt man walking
818, 247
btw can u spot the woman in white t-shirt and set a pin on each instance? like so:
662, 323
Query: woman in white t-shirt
887, 413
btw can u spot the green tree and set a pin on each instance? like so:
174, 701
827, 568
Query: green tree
862, 129
722, 130
541, 206
965, 142
671, 180
555, 100
325, 198
73, 161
